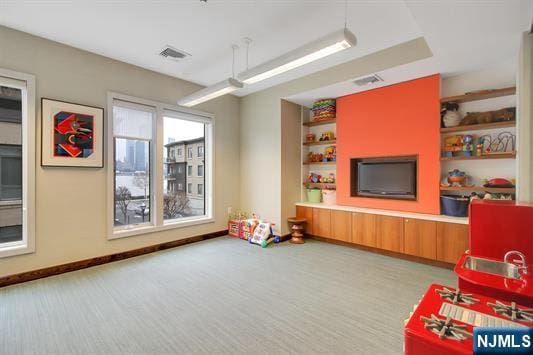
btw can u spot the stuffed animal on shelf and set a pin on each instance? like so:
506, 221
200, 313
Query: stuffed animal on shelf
449, 114
330, 153
505, 114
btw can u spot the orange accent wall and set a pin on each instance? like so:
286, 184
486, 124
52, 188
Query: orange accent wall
401, 119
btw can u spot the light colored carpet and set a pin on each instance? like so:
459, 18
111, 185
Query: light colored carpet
221, 296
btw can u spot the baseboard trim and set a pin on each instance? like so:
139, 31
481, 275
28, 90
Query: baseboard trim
83, 264
417, 259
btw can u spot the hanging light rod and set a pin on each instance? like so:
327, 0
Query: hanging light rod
210, 92
323, 47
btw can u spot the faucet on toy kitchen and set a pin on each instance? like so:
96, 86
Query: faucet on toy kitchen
521, 260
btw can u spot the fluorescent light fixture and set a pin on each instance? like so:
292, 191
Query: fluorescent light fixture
330, 44
210, 92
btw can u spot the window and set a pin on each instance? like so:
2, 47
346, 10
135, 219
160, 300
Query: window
150, 191
17, 163
132, 131
200, 151
10, 172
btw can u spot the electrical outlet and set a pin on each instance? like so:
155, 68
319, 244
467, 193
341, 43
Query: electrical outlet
230, 209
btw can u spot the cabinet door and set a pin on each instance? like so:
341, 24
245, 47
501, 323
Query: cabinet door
389, 233
321, 222
452, 241
307, 213
341, 225
420, 238
364, 229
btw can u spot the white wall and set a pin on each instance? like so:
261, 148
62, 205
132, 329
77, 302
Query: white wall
71, 203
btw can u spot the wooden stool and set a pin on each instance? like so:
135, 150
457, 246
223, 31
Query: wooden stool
297, 229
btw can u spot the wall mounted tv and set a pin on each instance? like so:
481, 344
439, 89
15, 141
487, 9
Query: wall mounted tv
387, 177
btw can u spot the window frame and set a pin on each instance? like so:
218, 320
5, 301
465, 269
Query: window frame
157, 174
25, 83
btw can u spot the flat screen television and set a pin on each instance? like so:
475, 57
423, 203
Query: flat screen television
391, 177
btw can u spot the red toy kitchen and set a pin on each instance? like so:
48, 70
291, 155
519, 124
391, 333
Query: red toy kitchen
495, 284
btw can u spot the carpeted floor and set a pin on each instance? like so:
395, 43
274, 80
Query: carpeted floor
221, 296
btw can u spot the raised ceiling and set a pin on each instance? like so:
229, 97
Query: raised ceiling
463, 35
135, 31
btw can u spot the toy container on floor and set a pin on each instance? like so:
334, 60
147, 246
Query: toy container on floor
329, 197
248, 228
313, 195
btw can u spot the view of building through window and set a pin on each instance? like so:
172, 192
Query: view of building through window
183, 136
10, 165
133, 134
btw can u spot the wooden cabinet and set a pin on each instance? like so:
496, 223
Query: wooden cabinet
389, 233
420, 238
364, 229
321, 222
452, 241
307, 213
341, 225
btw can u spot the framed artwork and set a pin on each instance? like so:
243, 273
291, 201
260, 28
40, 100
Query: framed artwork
72, 134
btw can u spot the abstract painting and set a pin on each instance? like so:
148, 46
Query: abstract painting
72, 134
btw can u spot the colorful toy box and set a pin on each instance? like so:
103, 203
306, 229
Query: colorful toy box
248, 228
234, 227
263, 235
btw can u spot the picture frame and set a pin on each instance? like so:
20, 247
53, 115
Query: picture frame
72, 135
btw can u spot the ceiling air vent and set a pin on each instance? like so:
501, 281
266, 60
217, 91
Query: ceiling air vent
368, 80
173, 53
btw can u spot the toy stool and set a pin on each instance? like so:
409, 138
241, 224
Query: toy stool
297, 229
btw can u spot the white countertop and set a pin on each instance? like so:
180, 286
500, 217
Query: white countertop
429, 217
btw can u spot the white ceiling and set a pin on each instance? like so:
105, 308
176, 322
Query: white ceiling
463, 35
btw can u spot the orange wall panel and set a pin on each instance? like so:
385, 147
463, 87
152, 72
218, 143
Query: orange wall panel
401, 119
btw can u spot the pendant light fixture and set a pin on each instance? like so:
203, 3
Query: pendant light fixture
323, 47
213, 91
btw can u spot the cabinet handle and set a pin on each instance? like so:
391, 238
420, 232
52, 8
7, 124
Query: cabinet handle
406, 220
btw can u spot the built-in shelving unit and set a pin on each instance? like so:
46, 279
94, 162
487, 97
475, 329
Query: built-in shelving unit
320, 123
331, 142
485, 156
320, 184
486, 168
478, 127
480, 95
505, 190
320, 163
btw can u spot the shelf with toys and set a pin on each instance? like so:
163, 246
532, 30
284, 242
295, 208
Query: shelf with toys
478, 148
319, 152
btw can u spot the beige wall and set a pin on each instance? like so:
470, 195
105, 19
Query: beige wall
71, 202
525, 118
264, 190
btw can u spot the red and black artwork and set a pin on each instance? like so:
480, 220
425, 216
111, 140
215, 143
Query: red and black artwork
73, 135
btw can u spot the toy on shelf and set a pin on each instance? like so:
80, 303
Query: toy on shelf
327, 136
324, 109
330, 153
453, 144
314, 178
329, 179
468, 145
263, 235
498, 182
456, 178
449, 114
502, 115
310, 138
504, 142
315, 157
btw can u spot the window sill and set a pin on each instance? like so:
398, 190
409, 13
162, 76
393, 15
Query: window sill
15, 248
117, 234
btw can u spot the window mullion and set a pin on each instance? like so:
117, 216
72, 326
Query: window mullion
158, 168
